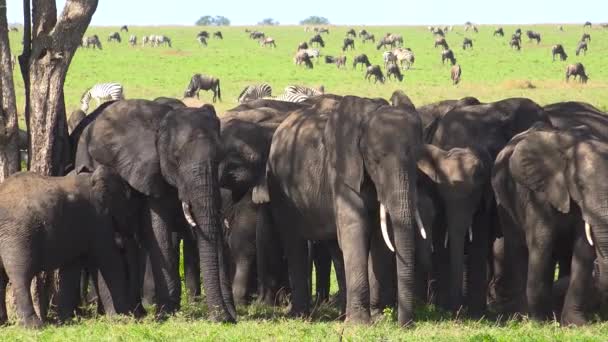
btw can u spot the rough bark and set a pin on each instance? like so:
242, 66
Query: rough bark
9, 153
44, 66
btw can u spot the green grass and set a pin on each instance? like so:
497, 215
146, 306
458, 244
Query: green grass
491, 71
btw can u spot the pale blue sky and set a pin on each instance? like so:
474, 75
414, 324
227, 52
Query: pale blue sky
354, 12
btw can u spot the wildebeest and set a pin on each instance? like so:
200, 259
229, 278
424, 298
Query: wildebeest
218, 35
385, 42
582, 46
533, 36
499, 32
515, 43
389, 58
200, 82
323, 30
439, 32
203, 34
340, 62
133, 40
159, 39
91, 41
14, 29
605, 25
257, 35
124, 28
455, 73
558, 49
369, 37
467, 43
302, 46
361, 59
348, 43
518, 31
114, 37
586, 37
516, 36
376, 72
268, 41
202, 40
449, 55
587, 24
303, 57
576, 70
560, 28
395, 71
363, 33
351, 33
329, 59
440, 41
397, 39
317, 39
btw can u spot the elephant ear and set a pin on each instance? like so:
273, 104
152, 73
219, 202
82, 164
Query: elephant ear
539, 164
428, 159
111, 195
342, 136
124, 138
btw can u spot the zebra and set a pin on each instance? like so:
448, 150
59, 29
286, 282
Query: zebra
160, 40
254, 92
289, 97
297, 89
133, 40
389, 58
200, 82
101, 92
404, 55
313, 53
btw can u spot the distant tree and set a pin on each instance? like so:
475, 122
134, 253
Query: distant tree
208, 20
205, 20
315, 20
220, 20
269, 22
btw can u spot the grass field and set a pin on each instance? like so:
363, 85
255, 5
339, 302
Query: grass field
491, 71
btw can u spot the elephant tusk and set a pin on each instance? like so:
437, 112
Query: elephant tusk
188, 214
470, 234
420, 224
384, 229
445, 240
227, 224
588, 233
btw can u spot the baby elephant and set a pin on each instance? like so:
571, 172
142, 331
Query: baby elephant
53, 222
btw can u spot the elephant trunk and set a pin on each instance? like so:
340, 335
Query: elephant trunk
599, 235
401, 206
203, 214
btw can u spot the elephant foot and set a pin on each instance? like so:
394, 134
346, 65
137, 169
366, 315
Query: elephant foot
298, 313
32, 322
139, 311
358, 317
217, 317
573, 319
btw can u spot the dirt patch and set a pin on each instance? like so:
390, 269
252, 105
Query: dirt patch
175, 53
518, 84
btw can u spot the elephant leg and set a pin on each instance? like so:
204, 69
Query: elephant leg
112, 284
296, 251
540, 276
3, 284
243, 271
338, 261
581, 283
131, 255
192, 268
322, 262
20, 272
164, 261
382, 271
477, 265
68, 291
269, 257
354, 236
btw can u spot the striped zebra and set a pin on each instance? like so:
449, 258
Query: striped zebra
254, 92
101, 92
313, 53
308, 91
404, 55
389, 58
289, 97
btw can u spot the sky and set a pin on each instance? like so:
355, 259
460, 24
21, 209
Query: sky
340, 12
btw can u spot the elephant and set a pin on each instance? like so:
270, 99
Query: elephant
330, 167
75, 119
42, 229
485, 128
430, 113
170, 157
551, 192
564, 115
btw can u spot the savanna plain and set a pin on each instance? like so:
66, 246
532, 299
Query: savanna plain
490, 71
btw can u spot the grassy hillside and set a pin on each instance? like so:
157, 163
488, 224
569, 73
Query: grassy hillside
491, 70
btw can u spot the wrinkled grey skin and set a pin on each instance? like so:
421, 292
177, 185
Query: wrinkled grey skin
485, 129
42, 230
328, 168
564, 115
169, 156
547, 183
431, 112
75, 119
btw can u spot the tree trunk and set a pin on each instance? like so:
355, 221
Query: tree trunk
44, 66
9, 153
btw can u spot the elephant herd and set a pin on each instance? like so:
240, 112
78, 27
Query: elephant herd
471, 206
